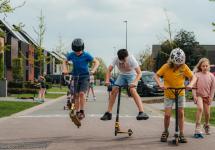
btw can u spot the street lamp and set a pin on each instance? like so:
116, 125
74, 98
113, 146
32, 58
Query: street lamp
126, 21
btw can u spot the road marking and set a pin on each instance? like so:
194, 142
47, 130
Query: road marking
88, 115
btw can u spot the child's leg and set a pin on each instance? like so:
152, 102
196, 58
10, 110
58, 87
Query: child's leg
40, 93
137, 99
77, 106
93, 91
207, 113
199, 113
82, 100
43, 93
167, 115
112, 99
181, 120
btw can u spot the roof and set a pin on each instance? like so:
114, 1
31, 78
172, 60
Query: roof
56, 56
27, 37
16, 34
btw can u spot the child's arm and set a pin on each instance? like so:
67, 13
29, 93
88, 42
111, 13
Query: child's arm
193, 80
108, 74
160, 84
64, 67
95, 66
138, 76
212, 91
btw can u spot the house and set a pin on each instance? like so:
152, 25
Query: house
18, 48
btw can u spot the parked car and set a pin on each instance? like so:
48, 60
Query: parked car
212, 69
147, 85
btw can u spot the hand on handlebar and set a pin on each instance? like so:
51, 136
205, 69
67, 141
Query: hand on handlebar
162, 86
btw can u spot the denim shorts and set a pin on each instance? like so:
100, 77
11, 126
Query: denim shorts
168, 103
125, 79
81, 83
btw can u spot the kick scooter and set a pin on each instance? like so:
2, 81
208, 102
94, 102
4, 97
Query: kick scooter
176, 92
117, 125
71, 103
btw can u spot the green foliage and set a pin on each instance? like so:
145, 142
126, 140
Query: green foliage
101, 71
39, 50
186, 41
190, 115
145, 60
213, 24
17, 69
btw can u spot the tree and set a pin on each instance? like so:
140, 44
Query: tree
17, 69
39, 50
102, 69
186, 41
145, 60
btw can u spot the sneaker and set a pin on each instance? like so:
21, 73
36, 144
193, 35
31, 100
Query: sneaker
207, 129
164, 136
81, 115
182, 139
106, 116
198, 136
94, 98
142, 116
198, 129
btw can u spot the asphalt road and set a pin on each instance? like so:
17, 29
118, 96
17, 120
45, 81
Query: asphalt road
49, 127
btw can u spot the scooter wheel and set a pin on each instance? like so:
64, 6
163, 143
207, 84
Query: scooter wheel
130, 132
175, 141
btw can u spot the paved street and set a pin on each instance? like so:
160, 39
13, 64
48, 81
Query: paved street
48, 126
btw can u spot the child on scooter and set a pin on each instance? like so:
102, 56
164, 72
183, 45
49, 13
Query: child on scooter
80, 73
203, 95
174, 73
130, 74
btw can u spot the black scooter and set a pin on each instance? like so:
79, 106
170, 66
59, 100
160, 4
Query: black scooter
176, 92
117, 125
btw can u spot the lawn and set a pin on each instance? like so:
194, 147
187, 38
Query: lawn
58, 89
190, 115
48, 95
9, 108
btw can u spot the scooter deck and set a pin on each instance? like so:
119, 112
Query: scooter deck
75, 119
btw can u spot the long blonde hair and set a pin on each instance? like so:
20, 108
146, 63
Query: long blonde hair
197, 68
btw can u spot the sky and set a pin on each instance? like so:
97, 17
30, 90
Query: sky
100, 23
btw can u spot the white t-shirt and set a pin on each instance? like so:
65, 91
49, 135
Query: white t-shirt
127, 67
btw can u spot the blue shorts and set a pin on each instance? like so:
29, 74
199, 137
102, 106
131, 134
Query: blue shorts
81, 83
168, 103
125, 79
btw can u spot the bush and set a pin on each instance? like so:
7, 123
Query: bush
22, 90
17, 69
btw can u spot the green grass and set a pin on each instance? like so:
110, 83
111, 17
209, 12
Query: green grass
9, 108
48, 95
191, 112
58, 89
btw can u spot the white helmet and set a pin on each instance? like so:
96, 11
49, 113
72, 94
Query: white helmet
177, 56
